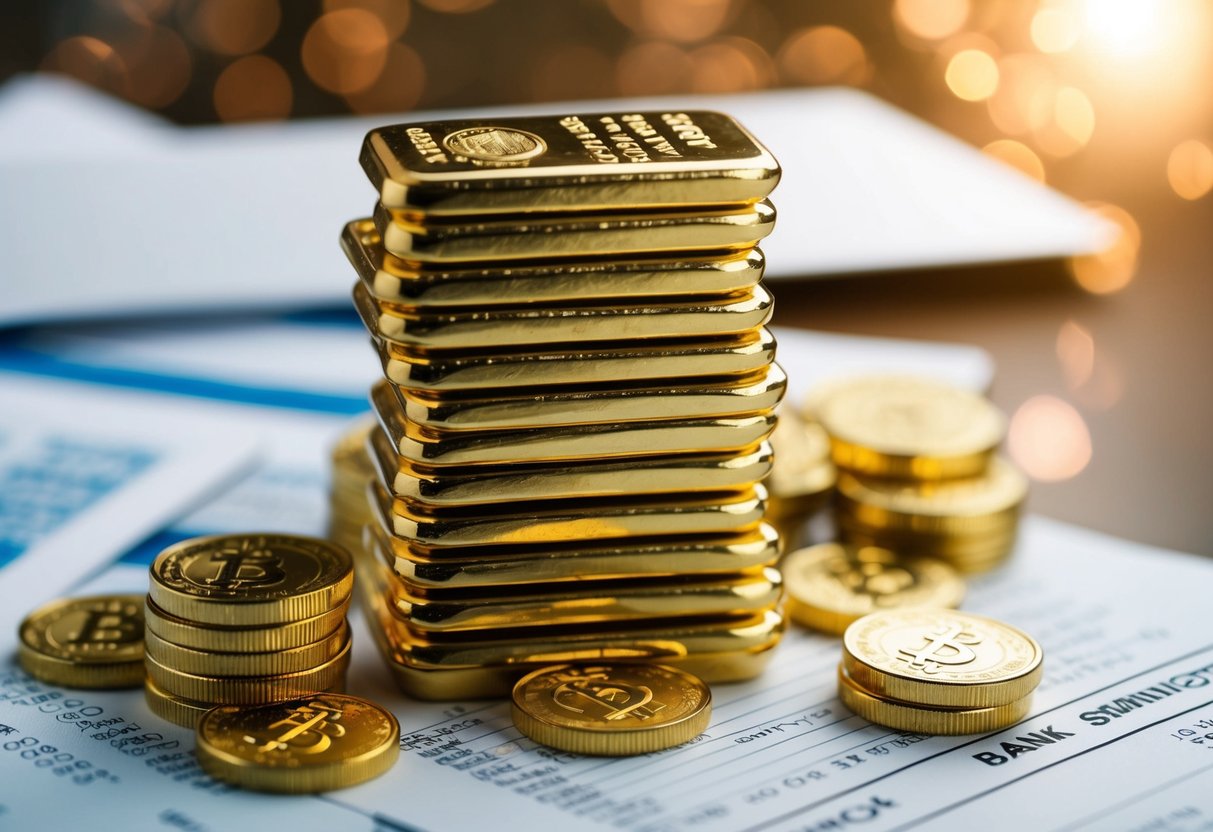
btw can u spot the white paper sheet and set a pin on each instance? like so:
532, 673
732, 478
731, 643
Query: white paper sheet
85, 476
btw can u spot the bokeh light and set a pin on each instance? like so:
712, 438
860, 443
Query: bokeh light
1055, 29
397, 89
1076, 354
253, 88
1049, 440
684, 21
159, 62
455, 6
1190, 169
90, 60
653, 67
1017, 155
823, 55
972, 75
233, 27
1024, 99
1113, 269
345, 51
931, 19
569, 71
1124, 27
730, 65
1071, 125
393, 14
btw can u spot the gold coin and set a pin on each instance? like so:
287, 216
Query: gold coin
898, 426
831, 585
314, 743
93, 642
941, 658
986, 503
803, 474
174, 709
250, 579
240, 690
611, 709
903, 716
271, 663
244, 639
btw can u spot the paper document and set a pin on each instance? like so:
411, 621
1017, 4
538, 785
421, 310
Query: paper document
1118, 737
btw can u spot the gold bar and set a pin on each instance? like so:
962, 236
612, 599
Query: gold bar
485, 485
583, 236
425, 446
599, 161
620, 321
538, 526
676, 399
404, 284
585, 563
565, 365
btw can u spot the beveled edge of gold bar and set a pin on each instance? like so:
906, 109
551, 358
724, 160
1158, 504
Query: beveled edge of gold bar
576, 237
560, 163
676, 399
390, 279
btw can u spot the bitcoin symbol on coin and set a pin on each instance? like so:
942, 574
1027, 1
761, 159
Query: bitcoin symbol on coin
239, 568
308, 728
109, 626
594, 693
949, 645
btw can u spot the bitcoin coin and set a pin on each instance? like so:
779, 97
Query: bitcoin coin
611, 709
238, 690
269, 663
900, 426
250, 579
244, 639
93, 642
904, 716
941, 658
311, 744
174, 709
831, 585
984, 504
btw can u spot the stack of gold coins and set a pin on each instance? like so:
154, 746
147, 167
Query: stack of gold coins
938, 671
803, 477
917, 470
352, 470
245, 620
578, 395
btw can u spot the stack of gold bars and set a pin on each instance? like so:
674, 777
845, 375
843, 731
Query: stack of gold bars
917, 471
578, 398
245, 620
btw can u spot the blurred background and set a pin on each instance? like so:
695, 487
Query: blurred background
1102, 360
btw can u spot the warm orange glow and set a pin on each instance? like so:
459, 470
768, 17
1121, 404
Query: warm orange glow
233, 27
1018, 105
568, 71
685, 20
1125, 27
397, 89
1190, 169
1072, 123
972, 75
253, 87
824, 55
394, 14
144, 11
159, 63
730, 65
345, 51
931, 19
1054, 29
1049, 440
1113, 269
1017, 155
455, 6
1076, 354
653, 68
90, 60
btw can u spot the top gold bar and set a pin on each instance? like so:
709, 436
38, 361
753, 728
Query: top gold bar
594, 162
